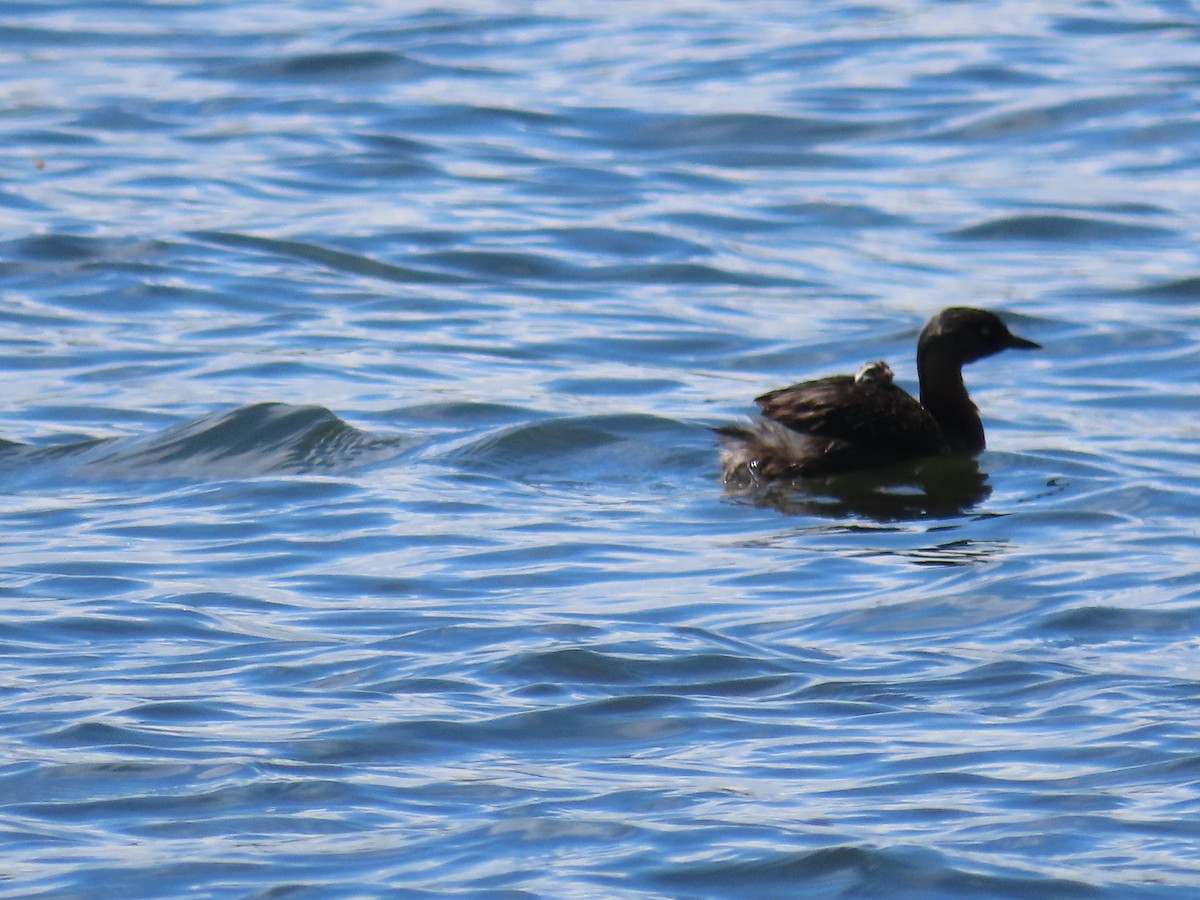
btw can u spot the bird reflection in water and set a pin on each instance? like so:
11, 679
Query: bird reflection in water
942, 486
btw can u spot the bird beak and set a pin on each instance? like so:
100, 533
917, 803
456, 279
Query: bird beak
1021, 343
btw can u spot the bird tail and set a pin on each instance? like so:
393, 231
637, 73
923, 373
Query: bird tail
761, 450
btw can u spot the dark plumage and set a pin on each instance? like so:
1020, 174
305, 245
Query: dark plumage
844, 422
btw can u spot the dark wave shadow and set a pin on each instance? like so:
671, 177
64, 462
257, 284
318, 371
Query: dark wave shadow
934, 487
1184, 290
1058, 228
262, 439
848, 870
338, 260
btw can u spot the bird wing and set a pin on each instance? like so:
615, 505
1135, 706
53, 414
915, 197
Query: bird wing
865, 414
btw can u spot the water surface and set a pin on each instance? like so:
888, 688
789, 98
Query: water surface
363, 527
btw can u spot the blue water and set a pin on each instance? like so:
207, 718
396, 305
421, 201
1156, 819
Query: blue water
363, 530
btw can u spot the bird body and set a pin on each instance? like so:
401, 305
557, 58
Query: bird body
842, 422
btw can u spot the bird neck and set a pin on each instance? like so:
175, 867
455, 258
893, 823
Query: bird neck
945, 397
